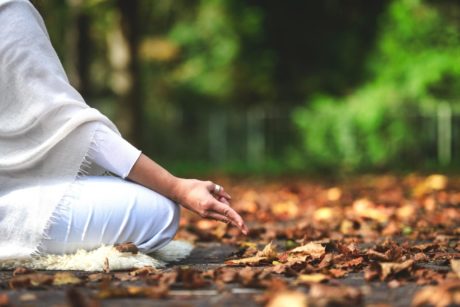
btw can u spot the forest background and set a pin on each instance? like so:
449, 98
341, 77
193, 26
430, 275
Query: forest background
265, 86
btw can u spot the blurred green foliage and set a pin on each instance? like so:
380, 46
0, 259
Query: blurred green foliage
261, 85
415, 67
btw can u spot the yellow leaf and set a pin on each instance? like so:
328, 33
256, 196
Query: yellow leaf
311, 278
288, 298
65, 278
455, 264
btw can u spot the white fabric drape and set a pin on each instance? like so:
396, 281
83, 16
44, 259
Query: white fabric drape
46, 129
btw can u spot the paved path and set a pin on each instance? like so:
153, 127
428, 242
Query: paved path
205, 256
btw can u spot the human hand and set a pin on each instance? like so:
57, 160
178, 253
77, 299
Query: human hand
202, 198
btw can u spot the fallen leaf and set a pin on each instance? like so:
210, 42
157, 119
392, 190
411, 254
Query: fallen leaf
128, 247
269, 251
288, 298
26, 297
106, 266
365, 208
424, 247
337, 273
312, 249
444, 294
22, 271
324, 295
27, 280
391, 268
249, 276
265, 256
77, 298
66, 278
455, 265
144, 271
356, 262
133, 291
95, 277
311, 278
4, 299
285, 209
334, 194
226, 275
190, 278
375, 255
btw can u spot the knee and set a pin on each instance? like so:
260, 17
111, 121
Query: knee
167, 229
174, 213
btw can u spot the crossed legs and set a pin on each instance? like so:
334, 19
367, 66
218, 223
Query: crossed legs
109, 210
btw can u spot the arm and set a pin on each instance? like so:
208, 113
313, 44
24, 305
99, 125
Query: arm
192, 194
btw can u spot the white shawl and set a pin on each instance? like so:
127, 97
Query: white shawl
46, 129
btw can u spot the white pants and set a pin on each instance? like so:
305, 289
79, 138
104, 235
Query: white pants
111, 210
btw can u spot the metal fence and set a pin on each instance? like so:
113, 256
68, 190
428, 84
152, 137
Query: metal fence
251, 136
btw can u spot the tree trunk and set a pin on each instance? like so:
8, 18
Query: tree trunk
130, 117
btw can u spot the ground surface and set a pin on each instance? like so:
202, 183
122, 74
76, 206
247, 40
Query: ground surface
371, 241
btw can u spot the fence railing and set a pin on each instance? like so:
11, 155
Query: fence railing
253, 135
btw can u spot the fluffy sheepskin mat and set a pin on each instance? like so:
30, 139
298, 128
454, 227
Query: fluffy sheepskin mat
104, 258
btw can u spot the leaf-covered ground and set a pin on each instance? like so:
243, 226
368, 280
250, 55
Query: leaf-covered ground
375, 241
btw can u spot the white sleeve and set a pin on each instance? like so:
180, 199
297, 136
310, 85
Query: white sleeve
112, 152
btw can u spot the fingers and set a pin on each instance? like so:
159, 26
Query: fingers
219, 192
218, 217
230, 214
224, 200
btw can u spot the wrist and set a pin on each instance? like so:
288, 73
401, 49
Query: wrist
176, 191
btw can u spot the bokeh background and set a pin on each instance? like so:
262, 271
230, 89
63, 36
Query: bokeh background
267, 86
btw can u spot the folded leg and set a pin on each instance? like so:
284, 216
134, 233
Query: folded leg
109, 210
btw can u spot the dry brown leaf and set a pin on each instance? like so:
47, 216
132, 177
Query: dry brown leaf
424, 247
445, 294
324, 295
22, 271
95, 277
315, 250
191, 278
420, 257
128, 247
375, 255
144, 271
133, 291
356, 262
27, 280
124, 276
455, 265
372, 272
77, 298
269, 251
265, 256
337, 273
106, 266
391, 268
256, 260
226, 275
4, 299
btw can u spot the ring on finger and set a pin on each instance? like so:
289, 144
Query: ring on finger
217, 189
